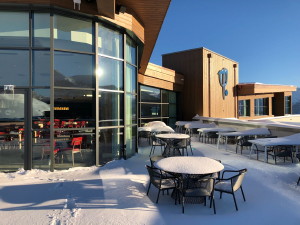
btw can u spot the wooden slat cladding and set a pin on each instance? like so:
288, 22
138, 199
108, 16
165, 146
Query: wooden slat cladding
188, 63
202, 92
106, 8
160, 77
129, 22
154, 82
213, 103
256, 88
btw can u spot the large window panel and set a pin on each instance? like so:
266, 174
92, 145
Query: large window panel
131, 79
130, 114
14, 67
41, 68
14, 29
261, 106
244, 107
73, 34
111, 144
111, 109
130, 51
73, 107
110, 74
110, 42
149, 94
41, 30
150, 110
73, 70
131, 141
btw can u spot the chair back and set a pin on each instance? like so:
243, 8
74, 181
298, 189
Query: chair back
194, 186
76, 143
238, 179
155, 176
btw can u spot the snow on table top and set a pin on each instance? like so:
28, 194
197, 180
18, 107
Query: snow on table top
160, 129
199, 125
216, 129
172, 136
288, 140
256, 131
189, 165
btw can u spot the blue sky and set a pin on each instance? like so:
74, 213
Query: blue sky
263, 36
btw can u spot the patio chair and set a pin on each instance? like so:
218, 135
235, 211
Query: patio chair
75, 147
194, 188
155, 142
298, 181
159, 180
242, 141
283, 151
232, 184
144, 134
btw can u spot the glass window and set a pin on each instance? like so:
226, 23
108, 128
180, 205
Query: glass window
73, 34
164, 96
41, 68
131, 141
73, 107
150, 110
111, 144
165, 110
73, 70
110, 42
110, 73
288, 108
111, 108
244, 107
261, 106
41, 30
14, 67
130, 51
130, 78
14, 29
149, 94
172, 97
172, 110
130, 114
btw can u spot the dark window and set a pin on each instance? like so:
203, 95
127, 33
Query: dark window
261, 106
244, 108
149, 94
288, 101
41, 30
41, 68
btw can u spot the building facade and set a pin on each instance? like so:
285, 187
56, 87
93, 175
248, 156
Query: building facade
69, 93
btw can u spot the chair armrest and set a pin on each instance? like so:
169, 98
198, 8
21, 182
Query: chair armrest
229, 171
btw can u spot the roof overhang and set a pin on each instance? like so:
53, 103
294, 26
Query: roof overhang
258, 88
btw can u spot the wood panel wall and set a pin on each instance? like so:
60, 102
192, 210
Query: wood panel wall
188, 63
202, 92
213, 103
160, 77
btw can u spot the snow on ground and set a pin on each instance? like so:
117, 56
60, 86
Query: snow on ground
116, 194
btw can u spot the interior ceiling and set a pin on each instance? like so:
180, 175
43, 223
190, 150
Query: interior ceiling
151, 14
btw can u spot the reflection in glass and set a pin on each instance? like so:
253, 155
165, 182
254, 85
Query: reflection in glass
149, 94
130, 51
11, 130
111, 108
165, 110
130, 78
73, 34
130, 114
172, 110
131, 141
73, 70
41, 68
14, 29
111, 144
74, 106
172, 97
110, 73
150, 110
41, 30
14, 67
164, 96
110, 42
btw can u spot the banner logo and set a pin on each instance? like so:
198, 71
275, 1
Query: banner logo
223, 78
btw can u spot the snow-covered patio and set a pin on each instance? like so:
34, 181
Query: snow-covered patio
116, 194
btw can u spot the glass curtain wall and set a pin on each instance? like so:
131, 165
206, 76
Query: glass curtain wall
52, 91
157, 104
261, 106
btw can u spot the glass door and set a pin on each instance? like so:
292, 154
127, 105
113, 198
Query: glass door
13, 104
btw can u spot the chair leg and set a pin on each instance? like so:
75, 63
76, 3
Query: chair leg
73, 159
158, 196
182, 204
235, 202
214, 205
298, 181
148, 188
243, 193
221, 194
